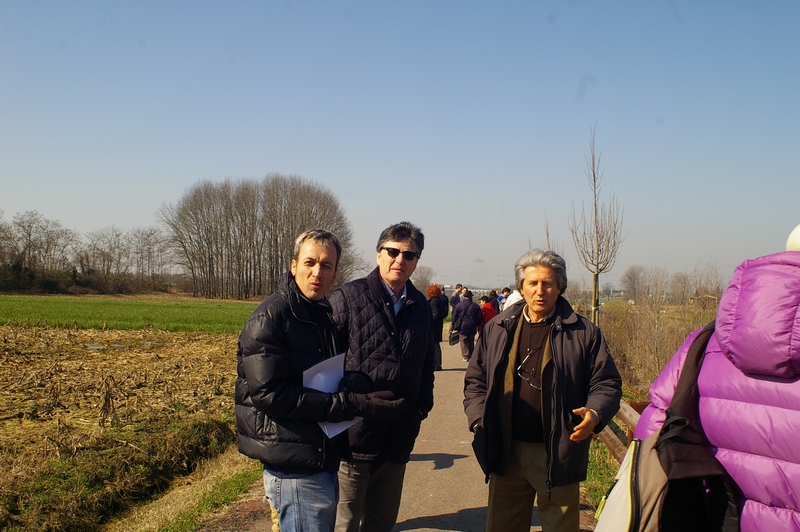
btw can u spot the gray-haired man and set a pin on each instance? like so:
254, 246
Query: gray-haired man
540, 383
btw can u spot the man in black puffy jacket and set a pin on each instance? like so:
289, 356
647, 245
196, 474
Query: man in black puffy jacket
385, 325
277, 418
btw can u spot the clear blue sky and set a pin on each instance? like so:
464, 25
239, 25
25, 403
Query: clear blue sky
469, 119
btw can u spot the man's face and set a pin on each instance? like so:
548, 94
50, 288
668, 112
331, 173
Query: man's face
314, 269
396, 271
540, 290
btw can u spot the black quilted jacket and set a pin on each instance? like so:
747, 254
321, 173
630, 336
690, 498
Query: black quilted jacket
276, 417
397, 352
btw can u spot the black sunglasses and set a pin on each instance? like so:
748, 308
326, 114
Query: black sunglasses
394, 252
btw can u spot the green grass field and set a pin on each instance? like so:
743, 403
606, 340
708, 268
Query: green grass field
166, 313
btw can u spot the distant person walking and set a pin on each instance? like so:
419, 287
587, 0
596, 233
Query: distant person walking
445, 301
439, 312
494, 300
455, 297
469, 317
487, 310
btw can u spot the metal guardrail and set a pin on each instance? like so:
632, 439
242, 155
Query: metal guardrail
629, 413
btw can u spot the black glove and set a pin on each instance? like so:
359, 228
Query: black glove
375, 405
356, 382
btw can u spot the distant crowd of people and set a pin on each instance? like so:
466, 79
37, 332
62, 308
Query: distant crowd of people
540, 381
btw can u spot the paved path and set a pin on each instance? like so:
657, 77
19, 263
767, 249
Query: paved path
444, 488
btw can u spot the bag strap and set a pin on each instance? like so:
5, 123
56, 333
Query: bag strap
681, 444
681, 416
684, 401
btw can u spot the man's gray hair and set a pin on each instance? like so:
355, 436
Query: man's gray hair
320, 237
537, 257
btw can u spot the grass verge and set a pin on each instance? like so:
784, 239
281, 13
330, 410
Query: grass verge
222, 494
192, 499
107, 473
602, 468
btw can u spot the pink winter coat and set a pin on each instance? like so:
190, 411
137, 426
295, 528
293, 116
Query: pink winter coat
749, 388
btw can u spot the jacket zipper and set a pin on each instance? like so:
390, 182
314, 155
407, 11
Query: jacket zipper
553, 419
325, 356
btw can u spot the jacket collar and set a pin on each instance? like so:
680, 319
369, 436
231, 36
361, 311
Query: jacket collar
301, 306
377, 288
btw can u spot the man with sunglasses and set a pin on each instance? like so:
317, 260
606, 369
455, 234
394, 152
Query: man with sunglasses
385, 324
540, 383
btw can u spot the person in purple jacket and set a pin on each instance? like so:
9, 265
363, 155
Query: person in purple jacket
749, 388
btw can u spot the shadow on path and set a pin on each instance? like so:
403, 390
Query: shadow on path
467, 520
440, 460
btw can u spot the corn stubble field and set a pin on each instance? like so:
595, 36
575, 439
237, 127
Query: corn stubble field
92, 421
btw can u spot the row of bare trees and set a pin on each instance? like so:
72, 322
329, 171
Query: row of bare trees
231, 239
657, 312
36, 252
645, 284
235, 238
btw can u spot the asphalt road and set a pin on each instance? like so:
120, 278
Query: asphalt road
444, 488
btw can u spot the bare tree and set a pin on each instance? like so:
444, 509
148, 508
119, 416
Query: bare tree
598, 234
576, 294
634, 282
108, 252
235, 239
422, 277
552, 245
27, 235
149, 253
6, 241
40, 245
707, 288
680, 288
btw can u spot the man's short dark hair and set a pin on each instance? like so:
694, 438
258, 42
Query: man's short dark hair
400, 233
320, 237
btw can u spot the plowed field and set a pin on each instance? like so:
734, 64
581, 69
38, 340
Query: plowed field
66, 393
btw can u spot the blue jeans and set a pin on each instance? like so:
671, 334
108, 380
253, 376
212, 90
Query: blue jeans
305, 504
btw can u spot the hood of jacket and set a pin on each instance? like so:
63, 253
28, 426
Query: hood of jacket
758, 323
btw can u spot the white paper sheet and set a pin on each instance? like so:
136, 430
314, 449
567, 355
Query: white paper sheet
325, 377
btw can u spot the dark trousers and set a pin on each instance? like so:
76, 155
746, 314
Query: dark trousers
467, 342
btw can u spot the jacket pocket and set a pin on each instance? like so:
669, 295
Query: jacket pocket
481, 449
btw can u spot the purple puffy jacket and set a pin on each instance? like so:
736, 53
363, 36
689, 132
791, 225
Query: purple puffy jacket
749, 388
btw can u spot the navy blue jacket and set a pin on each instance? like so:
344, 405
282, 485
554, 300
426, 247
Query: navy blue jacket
397, 352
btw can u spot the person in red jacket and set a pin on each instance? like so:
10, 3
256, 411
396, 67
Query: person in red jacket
488, 311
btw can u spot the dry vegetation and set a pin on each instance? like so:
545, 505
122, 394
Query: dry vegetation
93, 421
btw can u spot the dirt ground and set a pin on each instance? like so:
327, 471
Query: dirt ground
60, 389
57, 379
